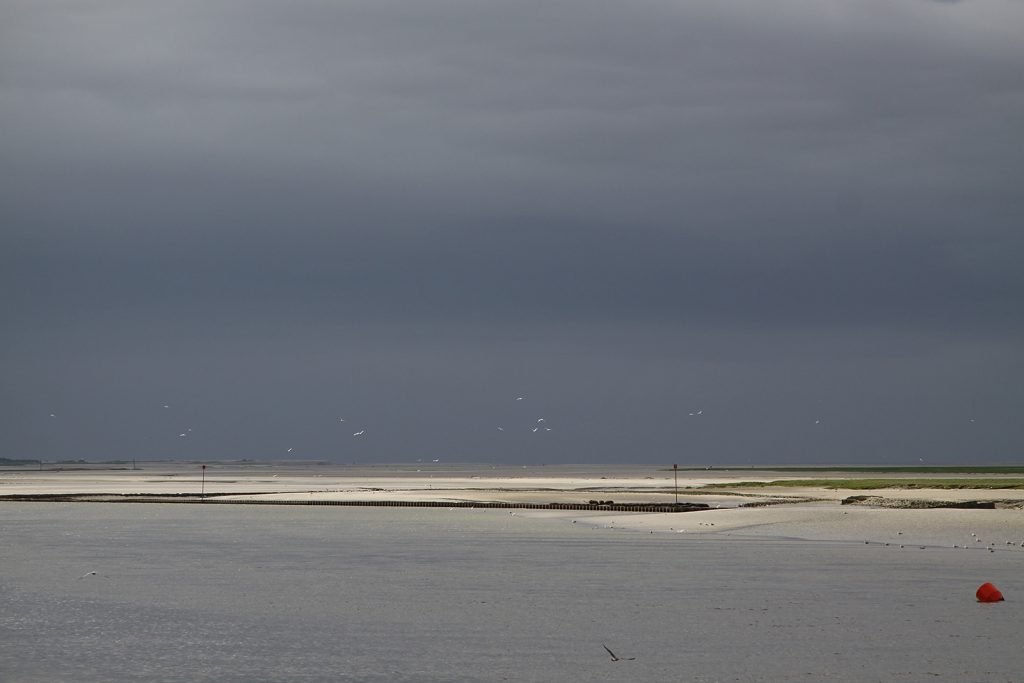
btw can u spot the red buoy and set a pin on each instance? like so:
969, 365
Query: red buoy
988, 593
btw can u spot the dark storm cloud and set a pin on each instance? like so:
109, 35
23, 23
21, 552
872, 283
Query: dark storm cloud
413, 203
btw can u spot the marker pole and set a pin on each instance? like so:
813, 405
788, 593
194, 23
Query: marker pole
675, 476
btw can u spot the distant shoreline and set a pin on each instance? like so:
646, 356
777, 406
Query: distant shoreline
737, 503
605, 506
33, 464
416, 483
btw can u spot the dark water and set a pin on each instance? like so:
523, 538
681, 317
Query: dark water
236, 593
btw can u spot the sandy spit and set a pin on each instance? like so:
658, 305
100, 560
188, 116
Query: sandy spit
805, 513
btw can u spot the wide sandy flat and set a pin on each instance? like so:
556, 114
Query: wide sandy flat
797, 512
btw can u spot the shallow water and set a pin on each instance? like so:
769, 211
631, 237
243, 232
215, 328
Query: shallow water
237, 593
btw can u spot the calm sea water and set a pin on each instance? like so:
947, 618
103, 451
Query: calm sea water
237, 593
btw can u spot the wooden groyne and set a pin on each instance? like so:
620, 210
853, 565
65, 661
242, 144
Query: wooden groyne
219, 499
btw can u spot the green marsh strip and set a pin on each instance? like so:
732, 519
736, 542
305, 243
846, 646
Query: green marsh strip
877, 470
861, 484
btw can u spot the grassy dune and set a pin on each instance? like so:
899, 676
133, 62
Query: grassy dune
862, 484
1001, 469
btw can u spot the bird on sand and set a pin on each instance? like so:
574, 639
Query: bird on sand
616, 658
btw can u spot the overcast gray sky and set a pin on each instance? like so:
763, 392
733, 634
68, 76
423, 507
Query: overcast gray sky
800, 220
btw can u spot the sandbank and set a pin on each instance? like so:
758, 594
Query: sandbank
812, 513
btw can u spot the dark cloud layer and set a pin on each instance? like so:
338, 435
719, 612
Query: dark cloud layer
802, 218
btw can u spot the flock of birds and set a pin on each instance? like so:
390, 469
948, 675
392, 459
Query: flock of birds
533, 428
539, 426
990, 546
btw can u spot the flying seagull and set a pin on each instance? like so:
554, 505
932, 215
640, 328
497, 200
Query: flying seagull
86, 574
614, 657
360, 432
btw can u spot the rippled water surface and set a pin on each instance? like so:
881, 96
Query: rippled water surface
240, 593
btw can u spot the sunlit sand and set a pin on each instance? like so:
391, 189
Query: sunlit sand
813, 513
